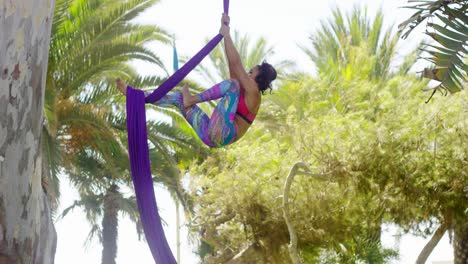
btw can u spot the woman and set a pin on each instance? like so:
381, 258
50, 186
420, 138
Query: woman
240, 98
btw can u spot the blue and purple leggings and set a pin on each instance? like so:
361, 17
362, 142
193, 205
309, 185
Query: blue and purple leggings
219, 130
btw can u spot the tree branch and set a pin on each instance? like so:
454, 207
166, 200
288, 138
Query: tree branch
287, 187
248, 254
427, 250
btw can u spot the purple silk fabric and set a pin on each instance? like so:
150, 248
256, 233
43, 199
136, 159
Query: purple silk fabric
139, 153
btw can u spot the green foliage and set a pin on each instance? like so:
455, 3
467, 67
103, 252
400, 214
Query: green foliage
450, 33
386, 155
388, 158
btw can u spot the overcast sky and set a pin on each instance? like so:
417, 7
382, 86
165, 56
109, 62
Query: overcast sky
284, 24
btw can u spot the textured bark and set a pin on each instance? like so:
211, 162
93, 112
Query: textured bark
460, 243
27, 234
110, 223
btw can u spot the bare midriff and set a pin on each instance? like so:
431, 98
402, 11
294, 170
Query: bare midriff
241, 126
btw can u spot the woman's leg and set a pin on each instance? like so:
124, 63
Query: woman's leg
173, 98
194, 115
222, 130
217, 91
219, 130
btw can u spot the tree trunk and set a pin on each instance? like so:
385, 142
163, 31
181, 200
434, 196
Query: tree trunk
27, 234
460, 244
427, 250
110, 223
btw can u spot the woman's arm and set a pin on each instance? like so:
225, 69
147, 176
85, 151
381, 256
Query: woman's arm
232, 75
236, 68
233, 58
225, 21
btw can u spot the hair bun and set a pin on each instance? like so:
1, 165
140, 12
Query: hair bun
266, 75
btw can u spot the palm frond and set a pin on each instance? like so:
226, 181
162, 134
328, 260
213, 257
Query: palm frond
375, 32
52, 155
449, 69
60, 14
385, 53
92, 23
425, 9
88, 173
92, 130
128, 207
90, 203
107, 58
99, 92
333, 46
95, 232
448, 55
147, 81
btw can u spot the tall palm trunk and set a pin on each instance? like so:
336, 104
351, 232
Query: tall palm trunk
27, 234
110, 224
460, 244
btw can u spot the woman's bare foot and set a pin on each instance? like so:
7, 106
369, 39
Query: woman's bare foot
122, 86
188, 98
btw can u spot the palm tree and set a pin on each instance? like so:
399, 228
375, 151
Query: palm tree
336, 42
101, 199
98, 184
73, 99
99, 177
451, 34
355, 47
92, 43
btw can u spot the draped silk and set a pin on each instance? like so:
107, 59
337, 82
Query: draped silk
139, 153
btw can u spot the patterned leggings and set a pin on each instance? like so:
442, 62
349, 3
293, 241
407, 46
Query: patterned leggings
219, 130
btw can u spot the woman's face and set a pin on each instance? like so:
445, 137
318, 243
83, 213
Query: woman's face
254, 72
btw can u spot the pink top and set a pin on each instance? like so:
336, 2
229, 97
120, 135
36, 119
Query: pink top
242, 109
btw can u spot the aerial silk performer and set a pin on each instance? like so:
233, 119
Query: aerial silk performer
139, 153
240, 99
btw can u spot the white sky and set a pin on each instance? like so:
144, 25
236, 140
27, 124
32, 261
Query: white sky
284, 24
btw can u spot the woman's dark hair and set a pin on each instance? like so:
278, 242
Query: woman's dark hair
266, 75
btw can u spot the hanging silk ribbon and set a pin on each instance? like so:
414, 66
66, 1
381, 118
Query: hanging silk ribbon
139, 153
